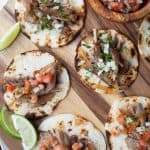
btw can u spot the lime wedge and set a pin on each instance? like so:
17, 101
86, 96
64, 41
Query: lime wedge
0, 117
26, 130
9, 36
7, 123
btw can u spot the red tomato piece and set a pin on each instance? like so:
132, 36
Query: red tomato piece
34, 98
33, 82
27, 87
116, 6
10, 87
47, 78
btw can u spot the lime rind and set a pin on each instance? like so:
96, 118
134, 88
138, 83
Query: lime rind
0, 117
9, 36
25, 129
7, 123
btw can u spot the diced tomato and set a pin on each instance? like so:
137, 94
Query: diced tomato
114, 132
144, 140
119, 112
121, 119
33, 82
38, 78
10, 87
116, 6
41, 86
145, 135
27, 87
142, 145
34, 98
130, 129
47, 78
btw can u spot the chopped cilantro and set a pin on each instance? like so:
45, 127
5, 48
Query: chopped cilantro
147, 38
125, 48
56, 3
91, 68
86, 45
109, 41
100, 34
44, 1
123, 9
46, 23
133, 117
87, 77
107, 57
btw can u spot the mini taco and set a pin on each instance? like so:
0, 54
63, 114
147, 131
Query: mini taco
69, 132
125, 6
35, 82
107, 61
52, 23
144, 38
128, 124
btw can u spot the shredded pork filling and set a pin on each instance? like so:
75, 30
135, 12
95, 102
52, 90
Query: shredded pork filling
103, 55
49, 14
61, 141
43, 82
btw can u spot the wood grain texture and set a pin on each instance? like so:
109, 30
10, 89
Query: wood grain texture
80, 100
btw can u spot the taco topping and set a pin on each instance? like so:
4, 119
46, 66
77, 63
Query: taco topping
123, 6
131, 119
41, 83
107, 59
61, 141
52, 22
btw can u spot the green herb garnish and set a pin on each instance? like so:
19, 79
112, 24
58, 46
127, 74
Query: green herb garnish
133, 117
44, 1
108, 41
100, 34
56, 4
91, 68
125, 48
86, 45
147, 38
47, 24
107, 57
87, 77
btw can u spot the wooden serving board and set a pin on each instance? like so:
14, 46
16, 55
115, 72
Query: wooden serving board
80, 99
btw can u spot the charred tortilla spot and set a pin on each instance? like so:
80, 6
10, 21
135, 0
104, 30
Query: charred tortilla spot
70, 122
148, 58
133, 52
84, 132
35, 116
148, 19
140, 38
61, 125
69, 130
79, 121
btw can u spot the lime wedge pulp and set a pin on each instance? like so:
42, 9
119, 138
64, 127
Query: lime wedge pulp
26, 130
9, 36
7, 123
